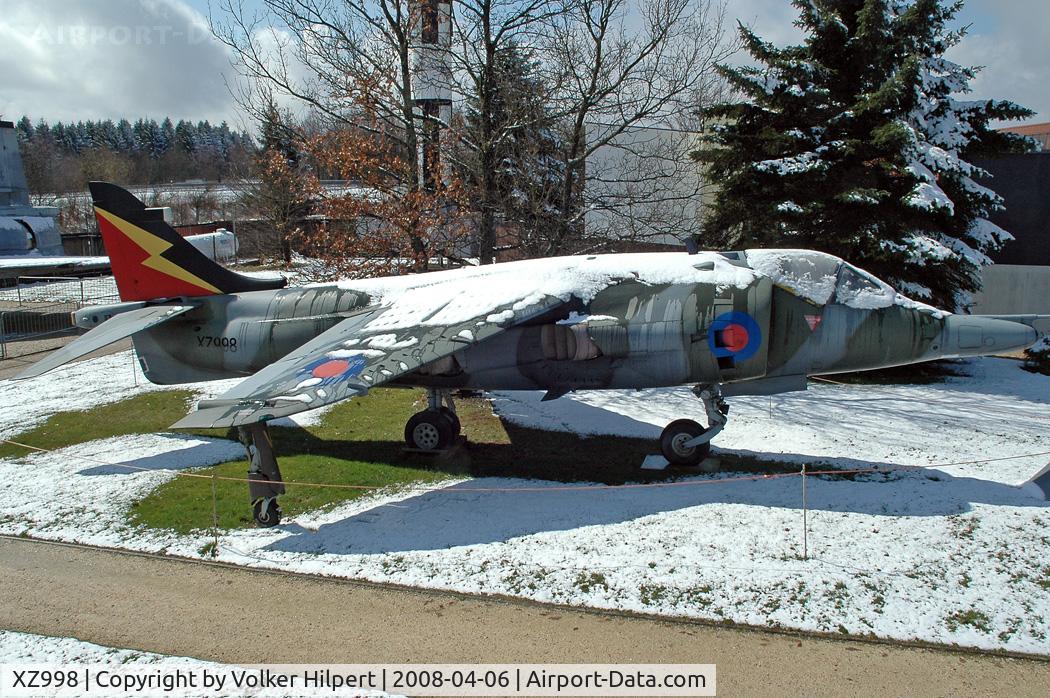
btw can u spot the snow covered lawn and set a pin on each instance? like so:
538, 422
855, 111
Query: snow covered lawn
29, 648
951, 553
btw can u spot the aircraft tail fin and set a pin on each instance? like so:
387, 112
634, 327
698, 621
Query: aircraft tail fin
151, 261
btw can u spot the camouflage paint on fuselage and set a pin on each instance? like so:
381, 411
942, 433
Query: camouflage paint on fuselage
761, 338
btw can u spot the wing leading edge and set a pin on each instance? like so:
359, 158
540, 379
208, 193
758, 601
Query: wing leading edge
361, 352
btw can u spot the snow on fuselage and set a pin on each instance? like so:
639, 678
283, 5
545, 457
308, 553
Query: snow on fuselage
643, 320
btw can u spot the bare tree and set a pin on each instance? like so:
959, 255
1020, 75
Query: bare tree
350, 61
603, 69
634, 76
501, 85
374, 227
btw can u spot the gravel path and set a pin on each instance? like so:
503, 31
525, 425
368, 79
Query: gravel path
228, 614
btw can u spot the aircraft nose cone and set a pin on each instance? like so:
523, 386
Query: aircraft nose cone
978, 336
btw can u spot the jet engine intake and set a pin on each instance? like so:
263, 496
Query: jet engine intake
567, 343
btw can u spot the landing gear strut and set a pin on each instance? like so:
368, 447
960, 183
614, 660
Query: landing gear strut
685, 442
435, 428
264, 477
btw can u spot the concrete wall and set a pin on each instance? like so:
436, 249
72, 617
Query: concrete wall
1012, 289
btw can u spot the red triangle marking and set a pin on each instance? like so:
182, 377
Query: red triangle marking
813, 321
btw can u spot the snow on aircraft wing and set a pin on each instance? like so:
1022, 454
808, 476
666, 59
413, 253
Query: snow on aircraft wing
369, 348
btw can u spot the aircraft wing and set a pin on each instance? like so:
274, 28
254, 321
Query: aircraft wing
114, 329
368, 348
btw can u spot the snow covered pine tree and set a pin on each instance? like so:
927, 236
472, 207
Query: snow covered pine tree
853, 143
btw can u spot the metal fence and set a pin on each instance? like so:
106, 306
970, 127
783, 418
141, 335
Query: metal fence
33, 290
36, 315
33, 330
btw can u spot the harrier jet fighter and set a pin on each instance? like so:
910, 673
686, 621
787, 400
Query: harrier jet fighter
754, 322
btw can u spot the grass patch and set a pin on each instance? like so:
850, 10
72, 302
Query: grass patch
971, 617
142, 414
359, 442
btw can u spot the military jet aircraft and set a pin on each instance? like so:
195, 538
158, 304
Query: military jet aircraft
753, 322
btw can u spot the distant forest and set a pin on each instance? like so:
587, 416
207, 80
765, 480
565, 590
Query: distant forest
63, 157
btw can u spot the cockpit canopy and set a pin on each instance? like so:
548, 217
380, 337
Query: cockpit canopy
822, 278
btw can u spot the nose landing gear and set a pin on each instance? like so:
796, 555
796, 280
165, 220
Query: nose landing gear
435, 428
684, 442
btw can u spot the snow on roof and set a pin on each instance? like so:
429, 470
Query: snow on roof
35, 261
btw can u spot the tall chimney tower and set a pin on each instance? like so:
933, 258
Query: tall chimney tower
432, 80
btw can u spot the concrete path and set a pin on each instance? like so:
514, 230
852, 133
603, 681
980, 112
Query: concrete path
230, 614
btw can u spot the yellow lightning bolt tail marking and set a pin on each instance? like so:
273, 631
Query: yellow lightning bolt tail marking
154, 247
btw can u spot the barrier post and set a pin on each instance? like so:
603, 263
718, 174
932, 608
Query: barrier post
214, 513
805, 518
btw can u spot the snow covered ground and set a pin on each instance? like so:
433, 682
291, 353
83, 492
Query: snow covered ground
28, 648
957, 552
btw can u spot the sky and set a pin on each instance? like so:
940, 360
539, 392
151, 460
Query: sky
92, 59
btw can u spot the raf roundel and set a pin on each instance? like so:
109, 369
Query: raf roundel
735, 335
334, 369
330, 369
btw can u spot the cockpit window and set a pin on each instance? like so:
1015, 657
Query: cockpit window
859, 289
807, 274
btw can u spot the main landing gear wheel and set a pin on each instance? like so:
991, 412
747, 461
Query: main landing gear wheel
453, 419
673, 440
266, 512
431, 430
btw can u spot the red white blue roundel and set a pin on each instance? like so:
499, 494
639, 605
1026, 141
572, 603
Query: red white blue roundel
734, 334
331, 370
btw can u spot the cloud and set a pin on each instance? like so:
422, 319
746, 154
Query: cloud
84, 59
72, 60
1012, 41
772, 20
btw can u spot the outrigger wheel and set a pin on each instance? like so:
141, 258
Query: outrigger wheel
266, 512
673, 442
264, 475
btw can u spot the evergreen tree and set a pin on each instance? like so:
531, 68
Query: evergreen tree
509, 159
24, 130
186, 136
125, 137
853, 143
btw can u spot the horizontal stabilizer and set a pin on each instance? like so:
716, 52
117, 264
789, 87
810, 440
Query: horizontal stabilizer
116, 328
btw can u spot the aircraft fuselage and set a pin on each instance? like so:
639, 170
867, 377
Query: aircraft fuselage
757, 339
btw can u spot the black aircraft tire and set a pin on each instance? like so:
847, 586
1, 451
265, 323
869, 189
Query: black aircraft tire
266, 512
430, 430
679, 431
453, 419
